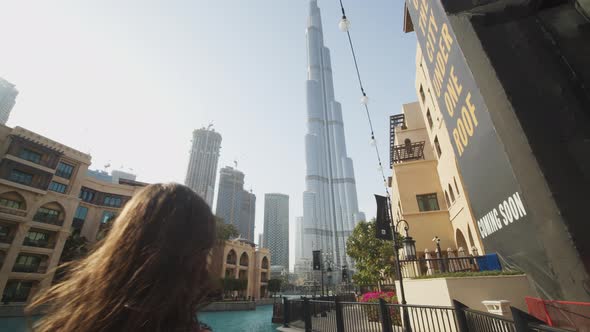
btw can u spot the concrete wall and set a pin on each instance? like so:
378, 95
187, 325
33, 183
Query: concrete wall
469, 290
555, 264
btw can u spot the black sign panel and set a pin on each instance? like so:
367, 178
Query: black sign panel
317, 260
496, 198
383, 222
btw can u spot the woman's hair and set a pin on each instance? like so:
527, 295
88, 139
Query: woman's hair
148, 274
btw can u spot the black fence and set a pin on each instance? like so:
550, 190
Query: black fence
335, 315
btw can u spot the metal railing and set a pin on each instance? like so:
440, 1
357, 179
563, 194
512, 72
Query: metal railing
334, 315
48, 219
13, 211
407, 152
412, 268
486, 322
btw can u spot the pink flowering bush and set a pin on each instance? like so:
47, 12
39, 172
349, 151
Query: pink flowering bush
373, 310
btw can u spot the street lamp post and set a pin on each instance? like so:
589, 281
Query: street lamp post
410, 250
439, 254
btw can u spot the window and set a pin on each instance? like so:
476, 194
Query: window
427, 202
64, 170
20, 177
87, 195
113, 201
36, 239
5, 234
79, 217
10, 203
81, 212
46, 215
422, 96
17, 291
452, 194
456, 186
4, 230
27, 263
29, 155
429, 118
437, 146
107, 216
447, 199
57, 187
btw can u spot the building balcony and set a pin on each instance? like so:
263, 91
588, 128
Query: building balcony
37, 243
395, 121
407, 152
28, 268
13, 211
48, 219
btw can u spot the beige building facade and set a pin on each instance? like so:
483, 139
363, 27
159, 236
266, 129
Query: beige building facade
240, 259
427, 190
45, 196
40, 181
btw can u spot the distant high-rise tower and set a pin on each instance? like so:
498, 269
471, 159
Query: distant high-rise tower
276, 228
330, 205
298, 238
7, 99
202, 166
235, 205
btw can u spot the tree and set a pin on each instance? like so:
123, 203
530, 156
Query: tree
274, 285
373, 257
225, 231
76, 247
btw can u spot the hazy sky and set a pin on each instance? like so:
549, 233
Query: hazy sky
128, 81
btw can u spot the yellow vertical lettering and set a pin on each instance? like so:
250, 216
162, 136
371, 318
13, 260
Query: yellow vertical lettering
471, 108
446, 35
449, 103
467, 120
462, 133
458, 141
455, 80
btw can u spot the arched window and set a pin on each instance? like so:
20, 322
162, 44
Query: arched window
447, 199
244, 260
13, 200
231, 257
437, 146
452, 193
456, 186
50, 213
264, 262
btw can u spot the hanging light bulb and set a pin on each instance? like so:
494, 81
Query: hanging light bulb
344, 24
364, 99
373, 141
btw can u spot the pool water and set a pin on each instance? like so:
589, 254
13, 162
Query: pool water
258, 320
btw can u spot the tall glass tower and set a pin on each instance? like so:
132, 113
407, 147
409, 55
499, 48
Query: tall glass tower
202, 166
330, 205
8, 95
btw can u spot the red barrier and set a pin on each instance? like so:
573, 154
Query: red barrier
562, 314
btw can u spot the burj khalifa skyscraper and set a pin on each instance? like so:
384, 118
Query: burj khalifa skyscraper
330, 205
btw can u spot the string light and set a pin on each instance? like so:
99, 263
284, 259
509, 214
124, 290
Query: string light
364, 100
344, 26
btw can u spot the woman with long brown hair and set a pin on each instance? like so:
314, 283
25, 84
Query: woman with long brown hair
148, 274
